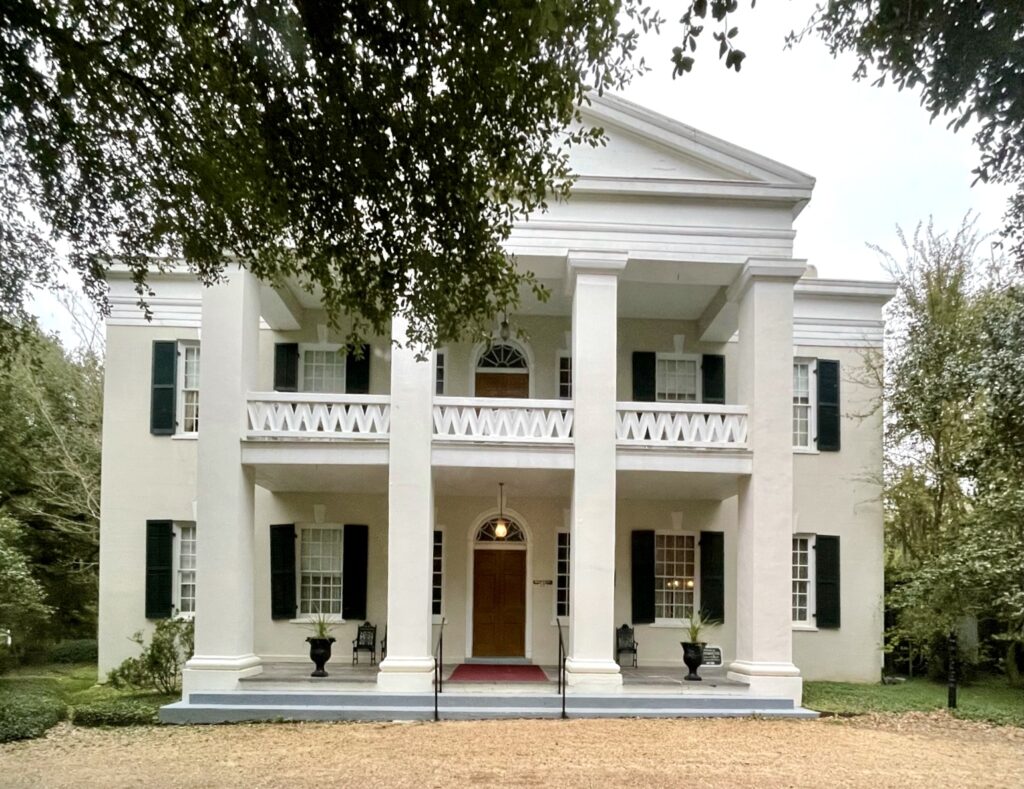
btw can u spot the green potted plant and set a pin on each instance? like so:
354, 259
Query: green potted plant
693, 648
320, 642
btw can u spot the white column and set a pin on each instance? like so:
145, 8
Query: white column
409, 664
591, 660
764, 636
224, 520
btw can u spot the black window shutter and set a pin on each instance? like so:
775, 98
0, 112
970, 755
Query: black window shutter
826, 581
162, 415
159, 568
828, 405
286, 367
712, 371
355, 558
643, 577
644, 363
282, 571
357, 372
712, 575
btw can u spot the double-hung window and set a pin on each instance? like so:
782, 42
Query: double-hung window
188, 384
437, 595
803, 403
564, 376
320, 557
440, 372
675, 573
562, 548
803, 575
323, 369
184, 591
677, 378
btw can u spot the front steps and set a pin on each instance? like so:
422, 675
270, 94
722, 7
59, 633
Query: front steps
235, 706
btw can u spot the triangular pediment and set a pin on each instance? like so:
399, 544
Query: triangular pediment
641, 144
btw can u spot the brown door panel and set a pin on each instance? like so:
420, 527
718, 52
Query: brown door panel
499, 603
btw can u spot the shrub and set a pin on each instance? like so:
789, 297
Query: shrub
159, 665
25, 717
116, 711
81, 650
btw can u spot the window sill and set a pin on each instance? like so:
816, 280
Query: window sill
333, 619
565, 622
184, 615
804, 628
671, 624
806, 451
185, 436
437, 619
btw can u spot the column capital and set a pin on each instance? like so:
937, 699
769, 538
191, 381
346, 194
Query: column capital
594, 261
761, 269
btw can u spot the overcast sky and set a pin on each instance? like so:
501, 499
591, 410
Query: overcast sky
877, 159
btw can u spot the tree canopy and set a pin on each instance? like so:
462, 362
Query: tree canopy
381, 151
378, 150
954, 448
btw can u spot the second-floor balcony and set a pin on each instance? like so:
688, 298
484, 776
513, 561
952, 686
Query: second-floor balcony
494, 421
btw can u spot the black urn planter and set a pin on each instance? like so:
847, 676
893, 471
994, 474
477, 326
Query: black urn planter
693, 657
319, 653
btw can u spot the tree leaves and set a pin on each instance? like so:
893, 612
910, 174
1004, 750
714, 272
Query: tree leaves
380, 152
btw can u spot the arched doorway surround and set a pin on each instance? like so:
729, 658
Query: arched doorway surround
502, 368
498, 603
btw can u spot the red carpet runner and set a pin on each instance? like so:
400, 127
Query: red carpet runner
479, 672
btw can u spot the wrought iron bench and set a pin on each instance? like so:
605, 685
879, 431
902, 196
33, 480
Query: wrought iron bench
365, 641
624, 642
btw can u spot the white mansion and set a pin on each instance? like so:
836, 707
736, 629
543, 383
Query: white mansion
680, 428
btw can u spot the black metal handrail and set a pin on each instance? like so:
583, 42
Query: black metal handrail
561, 666
438, 667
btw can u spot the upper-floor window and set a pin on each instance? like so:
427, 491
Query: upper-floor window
564, 376
440, 372
188, 416
803, 403
323, 369
677, 378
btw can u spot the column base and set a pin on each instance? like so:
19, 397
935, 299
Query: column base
406, 675
216, 672
778, 680
601, 675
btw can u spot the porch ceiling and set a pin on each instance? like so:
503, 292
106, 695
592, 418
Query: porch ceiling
668, 485
316, 478
520, 483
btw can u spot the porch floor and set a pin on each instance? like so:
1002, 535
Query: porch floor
344, 676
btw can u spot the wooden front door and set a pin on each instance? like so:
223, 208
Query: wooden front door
502, 384
499, 603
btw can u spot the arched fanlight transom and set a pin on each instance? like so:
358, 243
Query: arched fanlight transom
503, 356
488, 532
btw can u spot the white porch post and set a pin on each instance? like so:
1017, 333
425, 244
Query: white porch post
764, 638
591, 661
409, 663
224, 649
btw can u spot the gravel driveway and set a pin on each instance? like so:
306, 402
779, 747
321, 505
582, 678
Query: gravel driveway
906, 750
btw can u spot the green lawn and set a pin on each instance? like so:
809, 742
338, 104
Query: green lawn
32, 698
986, 699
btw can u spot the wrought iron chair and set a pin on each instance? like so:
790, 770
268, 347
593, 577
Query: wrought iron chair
624, 642
365, 641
